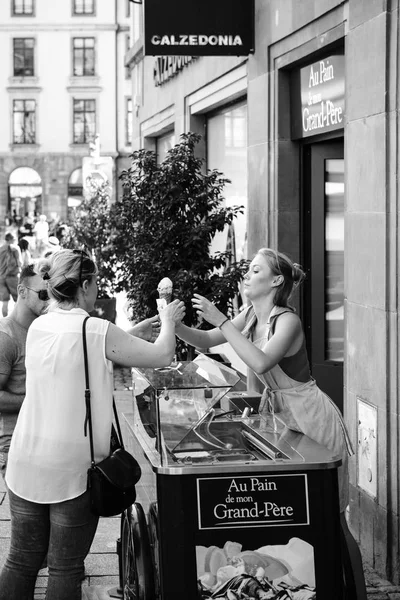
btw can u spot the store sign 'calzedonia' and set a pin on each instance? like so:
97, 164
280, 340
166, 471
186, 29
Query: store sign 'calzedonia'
166, 67
318, 97
256, 501
198, 27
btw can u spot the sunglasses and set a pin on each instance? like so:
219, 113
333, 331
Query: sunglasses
42, 294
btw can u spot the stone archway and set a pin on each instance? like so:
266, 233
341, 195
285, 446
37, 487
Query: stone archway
24, 193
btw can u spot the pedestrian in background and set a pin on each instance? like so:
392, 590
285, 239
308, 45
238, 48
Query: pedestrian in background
53, 246
26, 257
41, 232
31, 302
10, 266
49, 454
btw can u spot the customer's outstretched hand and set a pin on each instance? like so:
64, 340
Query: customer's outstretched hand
174, 311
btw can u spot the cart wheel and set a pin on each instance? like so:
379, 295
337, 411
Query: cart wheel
152, 518
137, 568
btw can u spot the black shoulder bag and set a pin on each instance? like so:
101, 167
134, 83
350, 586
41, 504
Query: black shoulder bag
111, 482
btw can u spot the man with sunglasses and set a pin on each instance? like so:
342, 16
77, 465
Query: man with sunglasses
31, 302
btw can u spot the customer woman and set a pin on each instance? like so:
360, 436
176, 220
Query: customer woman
268, 337
49, 454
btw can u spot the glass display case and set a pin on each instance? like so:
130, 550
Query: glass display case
228, 497
179, 420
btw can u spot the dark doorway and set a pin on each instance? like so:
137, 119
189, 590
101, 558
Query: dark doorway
324, 261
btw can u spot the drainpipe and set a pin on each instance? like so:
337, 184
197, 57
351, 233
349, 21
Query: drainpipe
116, 101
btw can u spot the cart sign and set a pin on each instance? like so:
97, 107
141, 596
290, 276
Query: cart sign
256, 501
198, 27
318, 97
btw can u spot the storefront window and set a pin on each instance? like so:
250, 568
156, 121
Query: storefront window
163, 144
334, 259
128, 122
227, 152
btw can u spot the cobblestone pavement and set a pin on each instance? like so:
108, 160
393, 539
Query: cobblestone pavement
378, 588
101, 565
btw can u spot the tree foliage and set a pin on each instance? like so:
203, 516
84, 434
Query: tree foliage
91, 228
166, 221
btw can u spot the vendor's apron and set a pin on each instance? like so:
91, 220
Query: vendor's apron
305, 408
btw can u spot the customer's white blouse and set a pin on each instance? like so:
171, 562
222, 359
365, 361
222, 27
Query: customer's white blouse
49, 454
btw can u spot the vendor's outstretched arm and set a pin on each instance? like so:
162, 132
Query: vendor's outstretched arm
287, 330
198, 337
207, 339
262, 360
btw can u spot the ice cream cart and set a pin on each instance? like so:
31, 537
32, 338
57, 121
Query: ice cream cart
233, 504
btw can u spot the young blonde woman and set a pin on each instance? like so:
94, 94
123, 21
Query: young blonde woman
49, 454
268, 336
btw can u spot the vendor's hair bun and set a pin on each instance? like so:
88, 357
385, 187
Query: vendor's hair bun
298, 274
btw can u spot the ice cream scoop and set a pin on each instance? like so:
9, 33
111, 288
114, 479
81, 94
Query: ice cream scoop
164, 290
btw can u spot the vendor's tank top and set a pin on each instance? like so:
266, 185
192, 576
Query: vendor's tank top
296, 366
302, 406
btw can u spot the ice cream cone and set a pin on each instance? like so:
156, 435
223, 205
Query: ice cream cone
161, 303
165, 293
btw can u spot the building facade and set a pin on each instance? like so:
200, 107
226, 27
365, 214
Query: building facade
307, 129
62, 81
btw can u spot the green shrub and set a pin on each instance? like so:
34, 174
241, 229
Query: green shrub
91, 228
165, 223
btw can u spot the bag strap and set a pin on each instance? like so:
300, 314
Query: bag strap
121, 441
88, 417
